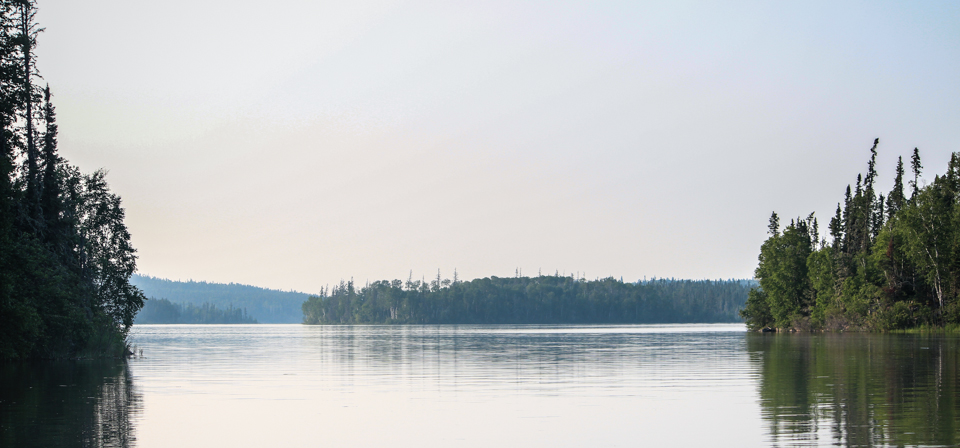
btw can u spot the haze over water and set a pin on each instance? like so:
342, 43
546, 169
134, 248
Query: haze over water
498, 385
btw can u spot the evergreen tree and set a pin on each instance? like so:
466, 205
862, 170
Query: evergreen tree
952, 176
896, 198
871, 170
50, 190
27, 38
836, 229
916, 168
877, 219
847, 220
774, 227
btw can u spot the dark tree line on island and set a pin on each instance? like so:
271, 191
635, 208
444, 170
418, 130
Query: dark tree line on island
163, 311
527, 300
891, 263
65, 254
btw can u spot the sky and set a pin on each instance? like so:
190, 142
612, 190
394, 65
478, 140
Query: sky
292, 144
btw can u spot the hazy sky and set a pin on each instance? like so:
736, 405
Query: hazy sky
290, 144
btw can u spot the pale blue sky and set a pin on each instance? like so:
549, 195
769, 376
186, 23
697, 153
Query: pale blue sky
295, 143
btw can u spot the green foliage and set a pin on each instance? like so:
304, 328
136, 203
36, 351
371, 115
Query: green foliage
929, 233
65, 254
893, 263
821, 271
782, 273
542, 300
756, 312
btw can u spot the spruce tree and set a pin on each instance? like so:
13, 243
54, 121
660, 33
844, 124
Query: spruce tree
896, 198
878, 218
916, 167
871, 170
774, 227
847, 219
9, 98
50, 190
27, 39
836, 229
872, 207
952, 177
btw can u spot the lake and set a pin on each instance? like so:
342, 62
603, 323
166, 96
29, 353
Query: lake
491, 385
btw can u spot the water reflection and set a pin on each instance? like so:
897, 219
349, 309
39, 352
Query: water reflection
532, 359
859, 390
67, 403
446, 385
449, 385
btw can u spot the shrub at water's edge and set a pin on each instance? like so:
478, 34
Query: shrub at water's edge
65, 253
892, 263
528, 300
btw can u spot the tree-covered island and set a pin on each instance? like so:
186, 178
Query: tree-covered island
892, 262
65, 253
545, 299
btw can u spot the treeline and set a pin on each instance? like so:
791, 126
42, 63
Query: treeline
65, 253
163, 311
527, 300
891, 263
265, 305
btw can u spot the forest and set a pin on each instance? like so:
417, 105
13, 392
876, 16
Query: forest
543, 299
264, 305
891, 262
163, 311
65, 253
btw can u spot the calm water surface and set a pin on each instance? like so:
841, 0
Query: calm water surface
509, 385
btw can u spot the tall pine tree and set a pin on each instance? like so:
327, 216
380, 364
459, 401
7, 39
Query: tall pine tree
896, 198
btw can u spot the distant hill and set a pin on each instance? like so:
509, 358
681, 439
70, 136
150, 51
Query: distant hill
264, 305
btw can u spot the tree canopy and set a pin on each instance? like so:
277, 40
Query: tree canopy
65, 253
892, 263
540, 300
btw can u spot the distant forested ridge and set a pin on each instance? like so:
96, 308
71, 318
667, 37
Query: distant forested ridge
528, 300
163, 311
264, 305
891, 263
65, 253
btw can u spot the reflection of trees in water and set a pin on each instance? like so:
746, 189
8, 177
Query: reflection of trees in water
543, 360
67, 403
863, 390
388, 346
